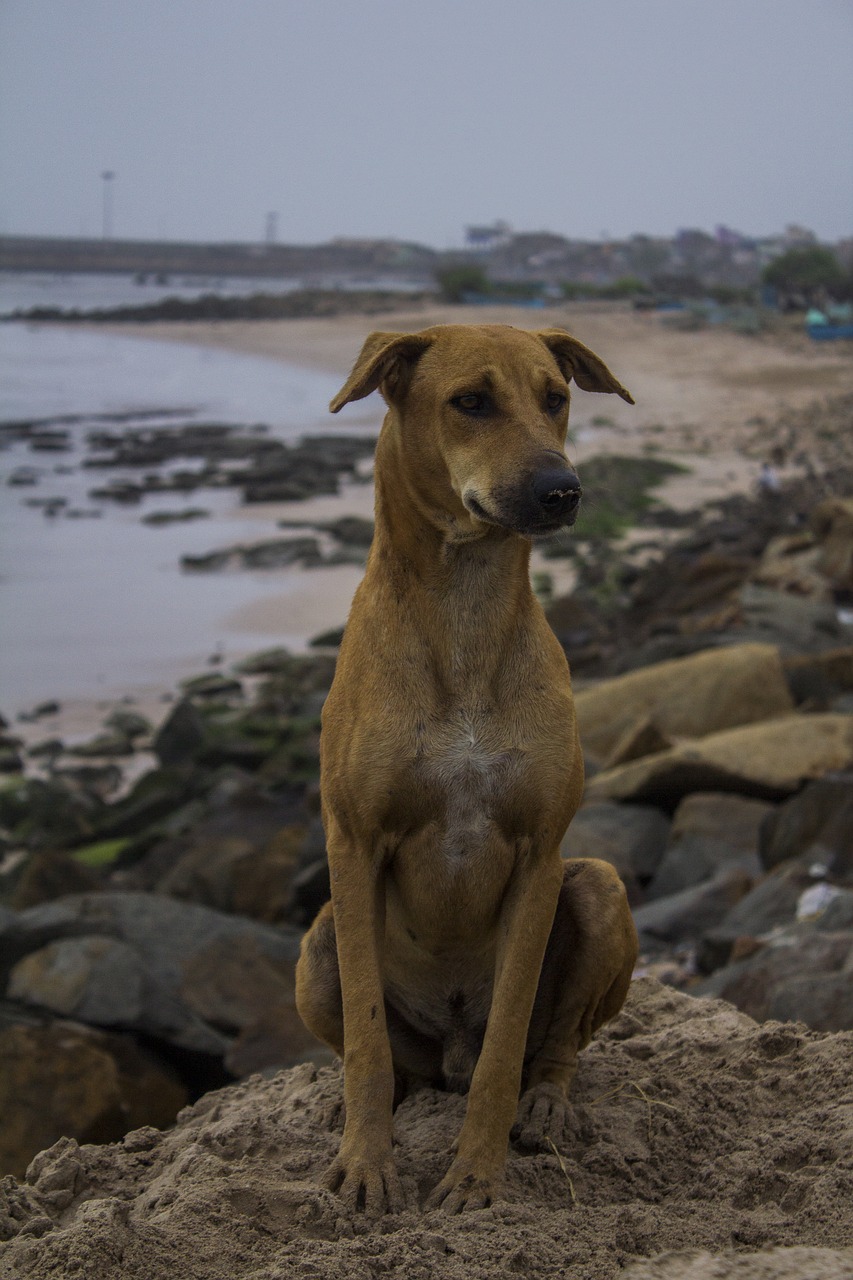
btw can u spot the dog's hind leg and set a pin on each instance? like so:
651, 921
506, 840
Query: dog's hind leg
591, 953
417, 1057
318, 982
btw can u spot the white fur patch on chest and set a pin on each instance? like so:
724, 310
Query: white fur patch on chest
473, 778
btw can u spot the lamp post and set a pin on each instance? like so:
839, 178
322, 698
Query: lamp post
107, 177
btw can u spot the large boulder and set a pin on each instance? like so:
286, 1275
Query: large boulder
801, 974
820, 678
631, 837
818, 821
682, 916
769, 761
63, 1079
710, 831
685, 697
795, 624
182, 974
832, 523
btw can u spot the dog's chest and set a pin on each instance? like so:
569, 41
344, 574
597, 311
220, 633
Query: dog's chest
472, 773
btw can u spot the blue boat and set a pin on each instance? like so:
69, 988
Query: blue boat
829, 332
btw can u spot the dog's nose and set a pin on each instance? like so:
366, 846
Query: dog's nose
557, 491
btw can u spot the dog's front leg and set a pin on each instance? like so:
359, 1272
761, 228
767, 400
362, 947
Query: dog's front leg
476, 1174
364, 1173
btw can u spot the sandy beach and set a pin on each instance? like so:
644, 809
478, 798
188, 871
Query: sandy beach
701, 387
706, 398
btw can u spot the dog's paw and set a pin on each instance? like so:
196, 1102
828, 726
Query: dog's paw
365, 1184
463, 1188
543, 1117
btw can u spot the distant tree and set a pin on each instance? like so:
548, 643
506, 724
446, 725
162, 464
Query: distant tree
679, 284
805, 272
457, 280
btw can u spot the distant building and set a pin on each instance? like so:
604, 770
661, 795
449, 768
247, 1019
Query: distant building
796, 237
483, 239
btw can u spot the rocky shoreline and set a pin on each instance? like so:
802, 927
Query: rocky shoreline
296, 305
715, 695
155, 879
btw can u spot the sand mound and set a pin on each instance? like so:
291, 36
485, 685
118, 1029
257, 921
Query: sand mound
694, 1129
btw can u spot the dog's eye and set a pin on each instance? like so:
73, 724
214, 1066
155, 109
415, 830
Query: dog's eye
471, 402
555, 401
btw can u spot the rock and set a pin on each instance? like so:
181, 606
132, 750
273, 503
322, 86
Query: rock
11, 760
768, 761
832, 522
47, 813
293, 677
103, 744
207, 562
46, 875
249, 874
818, 820
769, 904
243, 989
796, 624
62, 1079
48, 749
817, 679
331, 639
838, 913
644, 738
133, 960
310, 889
50, 708
158, 796
99, 780
800, 975
710, 830
180, 735
212, 685
630, 837
684, 915
356, 531
157, 518
129, 723
279, 553
789, 564
268, 662
92, 979
686, 697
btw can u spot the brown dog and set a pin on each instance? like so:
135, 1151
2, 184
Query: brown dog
459, 950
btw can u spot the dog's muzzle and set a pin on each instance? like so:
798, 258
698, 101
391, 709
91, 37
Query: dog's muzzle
541, 503
557, 494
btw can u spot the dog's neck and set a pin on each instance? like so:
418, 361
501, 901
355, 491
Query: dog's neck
468, 584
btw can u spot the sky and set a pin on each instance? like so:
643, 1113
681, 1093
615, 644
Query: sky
589, 118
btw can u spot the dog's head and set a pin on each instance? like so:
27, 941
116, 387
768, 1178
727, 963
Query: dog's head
480, 415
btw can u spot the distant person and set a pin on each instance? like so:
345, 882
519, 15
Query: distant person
768, 479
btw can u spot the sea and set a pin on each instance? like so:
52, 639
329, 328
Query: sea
94, 605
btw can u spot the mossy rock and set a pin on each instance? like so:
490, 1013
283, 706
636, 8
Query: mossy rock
616, 492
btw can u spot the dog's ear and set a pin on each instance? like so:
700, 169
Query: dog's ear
384, 359
578, 362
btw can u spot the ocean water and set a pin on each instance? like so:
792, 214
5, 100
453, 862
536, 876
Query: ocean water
97, 606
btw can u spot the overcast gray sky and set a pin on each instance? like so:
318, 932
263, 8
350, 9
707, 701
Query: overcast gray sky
382, 117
